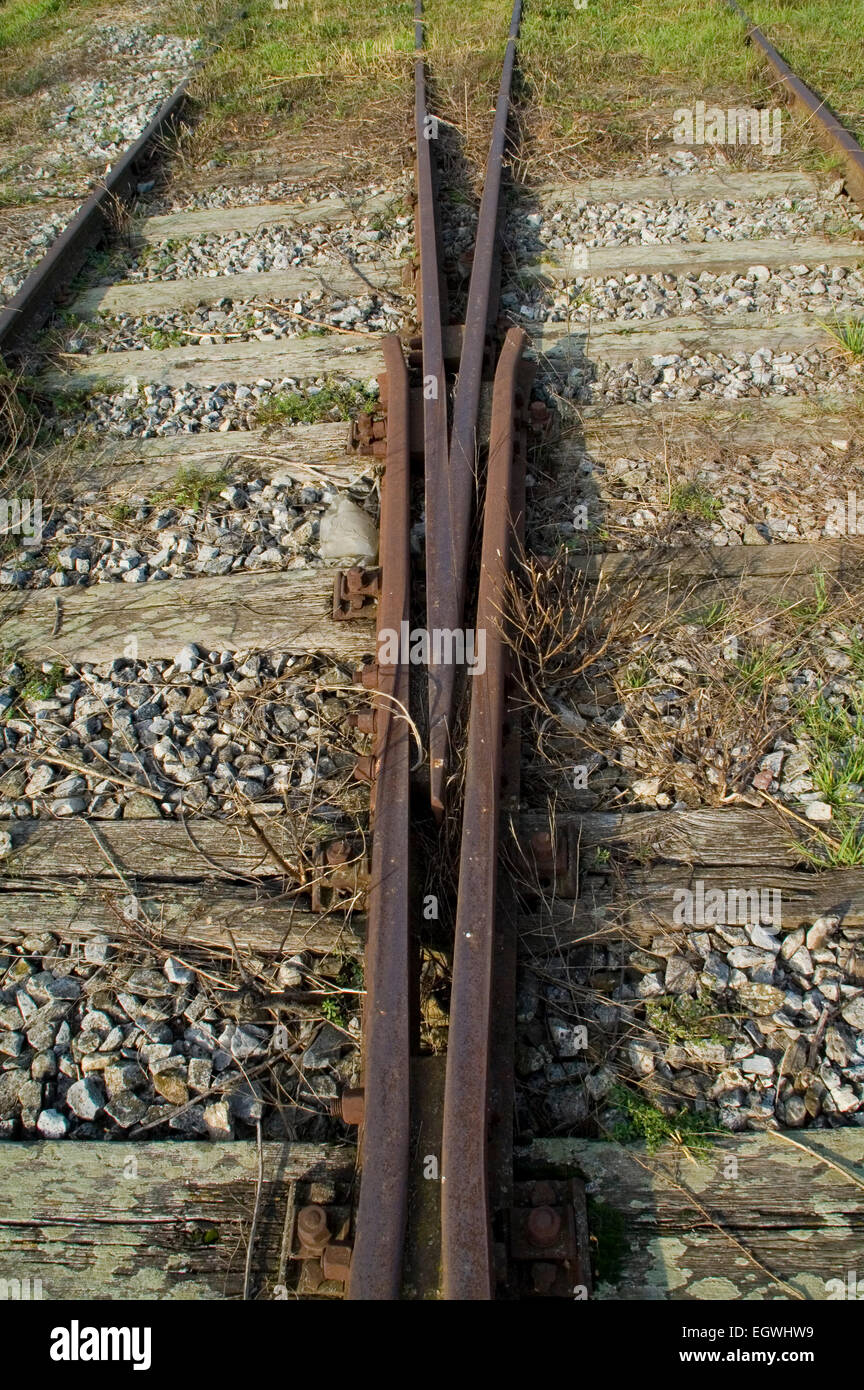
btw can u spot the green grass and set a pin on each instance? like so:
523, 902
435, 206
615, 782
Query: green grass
27, 22
30, 682
589, 82
694, 499
683, 1019
310, 61
849, 333
159, 338
15, 198
121, 511
808, 612
835, 737
763, 667
191, 488
292, 408
713, 615
592, 74
41, 685
845, 851
637, 674
644, 1123
818, 41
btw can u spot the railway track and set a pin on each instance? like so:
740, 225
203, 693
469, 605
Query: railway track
457, 1195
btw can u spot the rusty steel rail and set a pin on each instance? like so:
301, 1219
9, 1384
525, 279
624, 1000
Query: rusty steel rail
32, 305
437, 489
376, 1265
468, 1270
832, 134
95, 220
450, 493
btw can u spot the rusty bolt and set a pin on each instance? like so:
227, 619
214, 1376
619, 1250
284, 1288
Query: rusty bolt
364, 769
543, 1193
543, 1228
312, 1229
336, 1262
349, 1106
542, 846
363, 720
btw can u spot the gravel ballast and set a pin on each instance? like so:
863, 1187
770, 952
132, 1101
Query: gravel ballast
107, 1040
208, 733
748, 1026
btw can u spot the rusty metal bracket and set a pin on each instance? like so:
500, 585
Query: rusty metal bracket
555, 864
355, 592
368, 435
342, 869
549, 1247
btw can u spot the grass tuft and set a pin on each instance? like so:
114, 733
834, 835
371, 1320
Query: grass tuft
332, 402
849, 333
645, 1123
694, 499
192, 488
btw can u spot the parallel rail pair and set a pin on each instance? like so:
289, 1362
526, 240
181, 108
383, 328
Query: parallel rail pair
451, 457
477, 1124
477, 1090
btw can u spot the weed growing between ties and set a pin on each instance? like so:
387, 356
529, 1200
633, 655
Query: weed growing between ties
191, 489
642, 1121
849, 334
680, 698
331, 402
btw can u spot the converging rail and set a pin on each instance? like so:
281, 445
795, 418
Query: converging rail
376, 1266
444, 767
451, 479
450, 495
482, 1227
468, 1266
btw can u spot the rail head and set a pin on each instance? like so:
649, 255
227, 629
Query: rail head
448, 520
466, 1234
376, 1264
